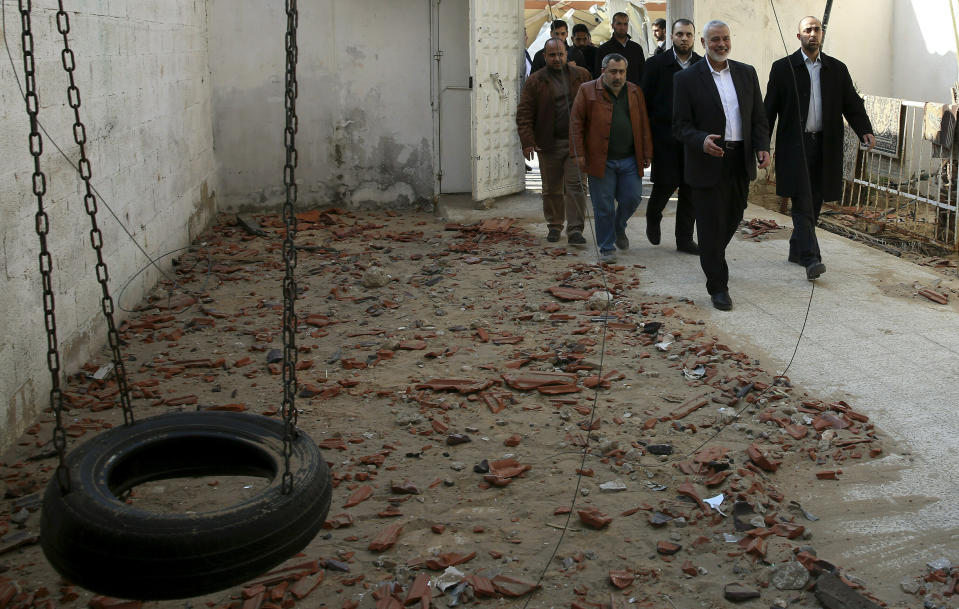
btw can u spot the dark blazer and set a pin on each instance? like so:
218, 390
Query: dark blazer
634, 54
658, 90
839, 99
698, 112
572, 54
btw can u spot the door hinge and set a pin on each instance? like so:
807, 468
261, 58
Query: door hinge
471, 82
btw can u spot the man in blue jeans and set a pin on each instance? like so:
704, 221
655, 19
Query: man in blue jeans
611, 141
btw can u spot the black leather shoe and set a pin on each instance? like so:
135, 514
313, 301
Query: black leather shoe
722, 301
689, 247
652, 233
814, 270
553, 235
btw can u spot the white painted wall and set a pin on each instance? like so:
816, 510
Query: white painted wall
365, 120
146, 101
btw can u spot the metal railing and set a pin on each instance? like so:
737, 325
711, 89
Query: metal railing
904, 190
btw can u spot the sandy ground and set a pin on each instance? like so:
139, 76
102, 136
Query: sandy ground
637, 413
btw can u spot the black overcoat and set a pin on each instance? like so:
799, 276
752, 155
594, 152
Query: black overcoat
839, 99
658, 90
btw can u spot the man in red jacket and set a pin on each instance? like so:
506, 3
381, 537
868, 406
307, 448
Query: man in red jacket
612, 143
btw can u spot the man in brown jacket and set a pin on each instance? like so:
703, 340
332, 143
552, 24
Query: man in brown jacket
612, 141
542, 119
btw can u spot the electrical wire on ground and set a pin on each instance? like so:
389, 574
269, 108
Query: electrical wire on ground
605, 321
152, 261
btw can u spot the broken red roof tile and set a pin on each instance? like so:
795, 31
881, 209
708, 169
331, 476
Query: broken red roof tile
385, 539
565, 293
359, 495
453, 384
594, 518
512, 586
757, 456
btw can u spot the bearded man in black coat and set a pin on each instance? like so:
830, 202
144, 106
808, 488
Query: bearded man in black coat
810, 93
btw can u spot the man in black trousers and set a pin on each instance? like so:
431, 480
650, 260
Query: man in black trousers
559, 29
667, 172
621, 44
811, 131
719, 117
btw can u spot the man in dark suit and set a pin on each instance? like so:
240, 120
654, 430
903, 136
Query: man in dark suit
659, 34
667, 172
810, 93
622, 45
583, 41
559, 29
719, 117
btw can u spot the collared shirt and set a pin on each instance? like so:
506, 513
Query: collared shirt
727, 93
683, 64
814, 116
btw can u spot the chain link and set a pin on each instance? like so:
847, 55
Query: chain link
42, 224
289, 249
90, 203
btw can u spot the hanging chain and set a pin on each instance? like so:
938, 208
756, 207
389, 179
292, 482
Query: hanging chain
43, 229
289, 249
90, 202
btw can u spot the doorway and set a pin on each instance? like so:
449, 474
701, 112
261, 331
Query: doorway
452, 59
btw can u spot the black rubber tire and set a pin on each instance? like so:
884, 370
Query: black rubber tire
99, 542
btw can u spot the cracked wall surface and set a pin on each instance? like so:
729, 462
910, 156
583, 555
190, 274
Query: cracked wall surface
365, 119
143, 74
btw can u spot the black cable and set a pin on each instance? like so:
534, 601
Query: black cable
602, 355
153, 262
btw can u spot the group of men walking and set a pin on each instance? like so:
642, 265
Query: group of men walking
703, 125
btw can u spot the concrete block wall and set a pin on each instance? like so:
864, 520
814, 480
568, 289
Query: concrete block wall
144, 78
365, 117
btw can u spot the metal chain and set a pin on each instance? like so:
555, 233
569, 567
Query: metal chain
43, 229
90, 202
289, 250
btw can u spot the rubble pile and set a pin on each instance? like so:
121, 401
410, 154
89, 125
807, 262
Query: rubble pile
474, 393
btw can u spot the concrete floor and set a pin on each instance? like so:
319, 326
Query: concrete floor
890, 354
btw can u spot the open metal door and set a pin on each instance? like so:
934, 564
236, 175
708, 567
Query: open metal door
496, 56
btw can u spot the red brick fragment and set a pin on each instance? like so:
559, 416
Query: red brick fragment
338, 521
512, 586
513, 440
359, 495
757, 456
412, 345
438, 528
667, 548
482, 586
621, 579
385, 539
448, 559
828, 474
594, 518
305, 585
419, 591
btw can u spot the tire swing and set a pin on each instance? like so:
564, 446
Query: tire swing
88, 533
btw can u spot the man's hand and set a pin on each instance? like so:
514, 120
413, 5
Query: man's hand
528, 152
764, 159
647, 163
581, 163
869, 140
710, 147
